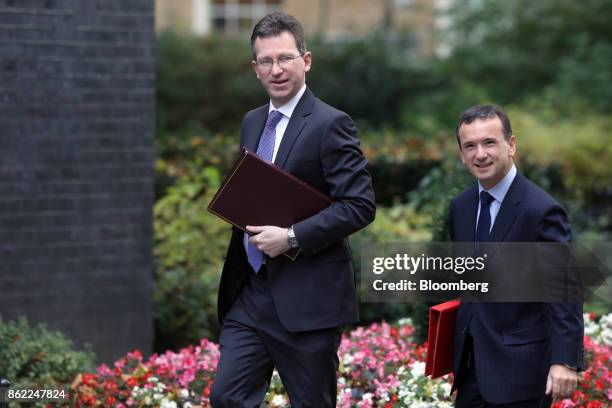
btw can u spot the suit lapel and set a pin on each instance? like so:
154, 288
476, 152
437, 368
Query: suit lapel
253, 132
466, 231
509, 210
298, 120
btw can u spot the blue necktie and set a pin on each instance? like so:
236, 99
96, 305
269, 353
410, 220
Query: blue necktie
265, 150
484, 220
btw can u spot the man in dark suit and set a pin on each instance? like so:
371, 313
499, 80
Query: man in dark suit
509, 354
276, 312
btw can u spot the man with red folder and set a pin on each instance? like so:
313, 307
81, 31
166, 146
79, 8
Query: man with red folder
278, 312
511, 355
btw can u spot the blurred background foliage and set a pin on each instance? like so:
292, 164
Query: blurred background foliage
546, 62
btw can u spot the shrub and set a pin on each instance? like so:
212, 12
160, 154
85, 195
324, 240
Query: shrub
189, 248
213, 85
32, 357
203, 83
578, 145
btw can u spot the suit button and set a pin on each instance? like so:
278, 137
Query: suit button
464, 331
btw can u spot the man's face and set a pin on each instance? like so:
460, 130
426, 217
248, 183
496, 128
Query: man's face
284, 78
485, 151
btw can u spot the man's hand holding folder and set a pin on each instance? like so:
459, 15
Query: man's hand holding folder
269, 239
266, 199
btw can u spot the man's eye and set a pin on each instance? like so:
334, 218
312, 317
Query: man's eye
284, 59
265, 62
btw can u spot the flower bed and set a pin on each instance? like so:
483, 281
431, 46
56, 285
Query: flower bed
170, 380
379, 367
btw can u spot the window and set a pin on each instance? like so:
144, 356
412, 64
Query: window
239, 16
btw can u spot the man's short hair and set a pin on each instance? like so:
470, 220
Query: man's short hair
483, 112
276, 23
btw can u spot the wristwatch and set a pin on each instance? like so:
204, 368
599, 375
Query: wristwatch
291, 239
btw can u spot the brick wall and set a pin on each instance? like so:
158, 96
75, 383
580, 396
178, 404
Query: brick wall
76, 168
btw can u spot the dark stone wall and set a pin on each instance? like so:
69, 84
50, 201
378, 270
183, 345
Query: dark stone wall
76, 168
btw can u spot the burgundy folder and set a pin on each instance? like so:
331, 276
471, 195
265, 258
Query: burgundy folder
440, 336
257, 192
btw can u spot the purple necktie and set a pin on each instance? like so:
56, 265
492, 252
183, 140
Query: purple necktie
265, 150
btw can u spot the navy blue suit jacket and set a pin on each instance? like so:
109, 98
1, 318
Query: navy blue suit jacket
516, 343
321, 147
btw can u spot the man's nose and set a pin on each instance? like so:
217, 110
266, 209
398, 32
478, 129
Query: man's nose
481, 153
276, 68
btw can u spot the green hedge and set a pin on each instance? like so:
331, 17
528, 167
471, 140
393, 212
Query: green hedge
189, 247
206, 85
32, 357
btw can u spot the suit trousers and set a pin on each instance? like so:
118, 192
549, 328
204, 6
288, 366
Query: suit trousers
253, 341
468, 393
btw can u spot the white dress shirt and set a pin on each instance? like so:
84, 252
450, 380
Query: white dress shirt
287, 110
498, 192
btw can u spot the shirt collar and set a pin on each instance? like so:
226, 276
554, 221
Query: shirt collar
288, 108
500, 190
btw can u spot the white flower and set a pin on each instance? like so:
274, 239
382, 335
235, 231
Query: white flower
279, 400
600, 331
446, 388
384, 396
153, 379
417, 369
187, 405
158, 396
184, 393
367, 397
167, 404
347, 360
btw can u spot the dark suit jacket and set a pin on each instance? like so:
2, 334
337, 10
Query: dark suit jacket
516, 343
321, 147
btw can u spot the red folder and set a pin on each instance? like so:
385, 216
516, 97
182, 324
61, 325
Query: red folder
440, 337
257, 192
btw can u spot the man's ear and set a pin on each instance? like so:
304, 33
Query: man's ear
461, 156
512, 143
254, 66
307, 60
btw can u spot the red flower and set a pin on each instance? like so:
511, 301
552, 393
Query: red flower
394, 332
206, 391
